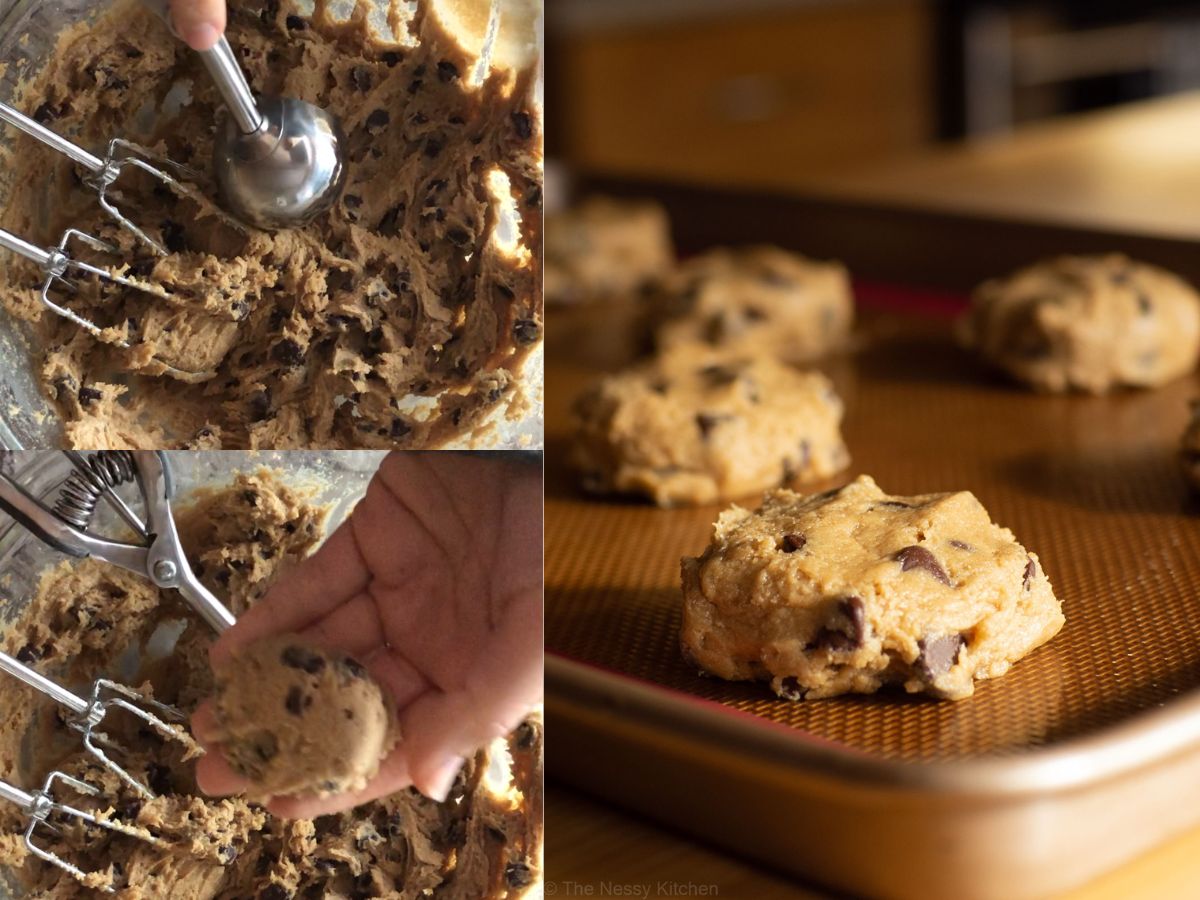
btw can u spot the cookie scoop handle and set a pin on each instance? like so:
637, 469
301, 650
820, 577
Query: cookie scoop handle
226, 74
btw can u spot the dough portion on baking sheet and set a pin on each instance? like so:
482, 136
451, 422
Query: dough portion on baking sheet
1087, 323
404, 317
854, 589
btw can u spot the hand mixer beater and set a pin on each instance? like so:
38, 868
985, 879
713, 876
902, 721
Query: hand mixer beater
159, 556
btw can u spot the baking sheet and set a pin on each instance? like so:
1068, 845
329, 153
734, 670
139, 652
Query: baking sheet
1091, 484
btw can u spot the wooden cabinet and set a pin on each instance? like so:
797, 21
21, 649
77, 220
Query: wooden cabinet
741, 97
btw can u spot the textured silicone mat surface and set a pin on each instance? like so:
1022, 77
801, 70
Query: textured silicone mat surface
1090, 484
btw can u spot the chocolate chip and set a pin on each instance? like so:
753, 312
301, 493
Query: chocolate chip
518, 875
360, 77
392, 58
459, 237
288, 352
378, 120
939, 654
390, 222
226, 853
250, 497
960, 545
352, 667
295, 23
447, 71
524, 736
835, 637
706, 422
433, 147
526, 331
28, 654
159, 779
915, 557
127, 810
1030, 573
395, 824
45, 113
790, 689
259, 405
523, 125
719, 376
89, 395
399, 428
302, 658
895, 504
753, 314
793, 542
173, 236
295, 701
275, 892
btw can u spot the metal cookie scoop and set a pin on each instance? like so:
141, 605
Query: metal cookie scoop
278, 164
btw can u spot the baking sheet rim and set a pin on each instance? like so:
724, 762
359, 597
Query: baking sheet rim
1146, 739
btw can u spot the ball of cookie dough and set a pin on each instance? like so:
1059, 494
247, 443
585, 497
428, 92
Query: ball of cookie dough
1089, 323
853, 589
755, 300
694, 427
297, 719
605, 248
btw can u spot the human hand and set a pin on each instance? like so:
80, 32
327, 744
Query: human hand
199, 23
434, 583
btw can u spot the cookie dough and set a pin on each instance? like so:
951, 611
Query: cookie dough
853, 589
1088, 323
297, 719
400, 318
755, 300
693, 427
485, 841
606, 248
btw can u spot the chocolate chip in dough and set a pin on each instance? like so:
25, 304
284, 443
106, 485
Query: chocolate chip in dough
89, 395
524, 736
352, 667
792, 542
447, 71
295, 23
275, 891
1145, 307
159, 779
295, 701
302, 658
959, 545
399, 429
939, 654
526, 331
226, 853
791, 689
518, 875
706, 422
288, 352
522, 125
28, 654
915, 557
259, 405
377, 121
392, 58
1030, 574
360, 77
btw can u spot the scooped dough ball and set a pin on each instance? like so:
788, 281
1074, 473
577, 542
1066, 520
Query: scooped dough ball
1089, 323
297, 719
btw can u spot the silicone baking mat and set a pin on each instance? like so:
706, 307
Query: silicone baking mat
1092, 484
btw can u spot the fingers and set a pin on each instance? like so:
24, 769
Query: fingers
505, 682
199, 23
319, 584
214, 775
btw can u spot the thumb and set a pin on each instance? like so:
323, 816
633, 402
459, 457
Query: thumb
199, 23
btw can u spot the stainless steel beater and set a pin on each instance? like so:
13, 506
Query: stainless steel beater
40, 804
86, 715
103, 173
57, 262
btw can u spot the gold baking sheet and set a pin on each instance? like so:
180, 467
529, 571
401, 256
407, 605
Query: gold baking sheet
1089, 483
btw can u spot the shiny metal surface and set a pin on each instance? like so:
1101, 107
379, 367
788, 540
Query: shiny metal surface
286, 173
235, 90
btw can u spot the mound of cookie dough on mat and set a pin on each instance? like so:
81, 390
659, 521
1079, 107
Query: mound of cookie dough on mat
299, 719
754, 300
483, 842
1088, 323
694, 427
399, 318
853, 589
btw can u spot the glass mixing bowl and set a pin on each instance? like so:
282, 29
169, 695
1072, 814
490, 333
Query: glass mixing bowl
336, 479
28, 32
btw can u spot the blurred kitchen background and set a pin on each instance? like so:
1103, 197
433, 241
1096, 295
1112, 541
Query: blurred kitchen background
876, 97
